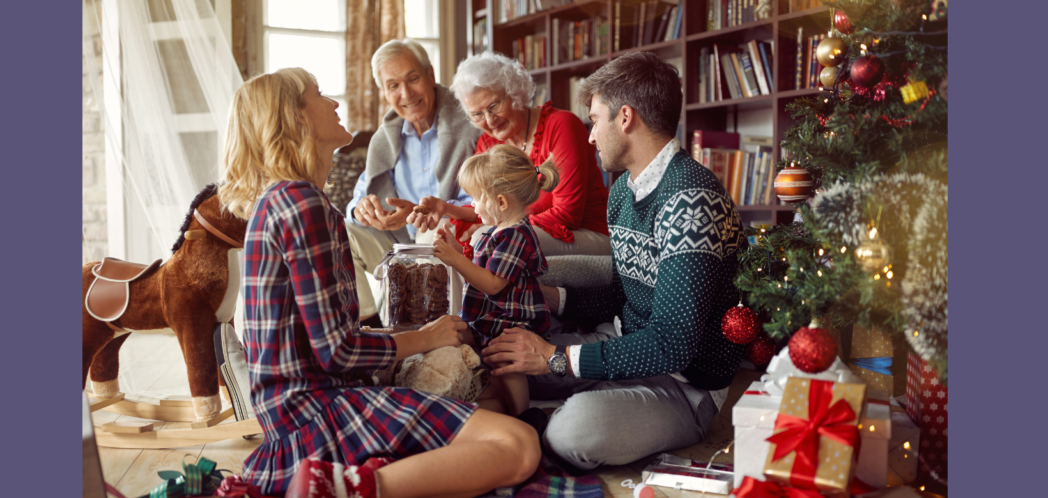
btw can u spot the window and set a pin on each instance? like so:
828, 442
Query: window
422, 23
310, 35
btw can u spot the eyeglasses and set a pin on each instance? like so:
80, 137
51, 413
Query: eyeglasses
492, 109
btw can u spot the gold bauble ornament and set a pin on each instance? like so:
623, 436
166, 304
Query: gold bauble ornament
828, 76
873, 255
831, 52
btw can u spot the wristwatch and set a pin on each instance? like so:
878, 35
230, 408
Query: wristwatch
558, 363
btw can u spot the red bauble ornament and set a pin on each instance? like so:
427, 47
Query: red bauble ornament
812, 349
740, 325
841, 22
761, 350
794, 184
867, 70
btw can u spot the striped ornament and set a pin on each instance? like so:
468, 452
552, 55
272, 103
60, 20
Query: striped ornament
794, 184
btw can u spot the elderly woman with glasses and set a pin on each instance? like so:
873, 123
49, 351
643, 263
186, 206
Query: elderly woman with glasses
496, 93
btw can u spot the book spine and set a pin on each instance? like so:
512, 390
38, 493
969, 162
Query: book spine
740, 79
747, 71
617, 25
717, 92
766, 58
758, 67
800, 58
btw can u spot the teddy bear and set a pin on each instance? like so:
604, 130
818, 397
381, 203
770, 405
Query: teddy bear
448, 371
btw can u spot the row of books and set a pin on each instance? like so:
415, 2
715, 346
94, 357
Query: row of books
808, 67
644, 23
512, 9
480, 36
747, 173
735, 72
722, 14
577, 40
575, 107
530, 51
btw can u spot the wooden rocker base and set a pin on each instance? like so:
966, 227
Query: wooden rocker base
167, 411
176, 438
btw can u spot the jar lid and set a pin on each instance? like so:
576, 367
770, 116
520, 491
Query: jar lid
419, 249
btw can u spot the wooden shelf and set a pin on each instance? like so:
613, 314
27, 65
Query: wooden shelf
725, 32
758, 102
781, 29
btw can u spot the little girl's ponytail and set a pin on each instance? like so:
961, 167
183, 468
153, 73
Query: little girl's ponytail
548, 175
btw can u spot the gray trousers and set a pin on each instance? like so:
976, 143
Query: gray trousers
617, 422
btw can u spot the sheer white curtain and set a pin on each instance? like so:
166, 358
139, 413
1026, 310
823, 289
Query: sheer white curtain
166, 76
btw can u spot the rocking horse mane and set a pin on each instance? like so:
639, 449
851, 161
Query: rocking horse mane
208, 192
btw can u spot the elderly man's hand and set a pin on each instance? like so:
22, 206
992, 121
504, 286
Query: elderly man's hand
370, 213
519, 351
428, 213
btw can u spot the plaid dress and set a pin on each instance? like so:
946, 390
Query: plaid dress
512, 253
307, 358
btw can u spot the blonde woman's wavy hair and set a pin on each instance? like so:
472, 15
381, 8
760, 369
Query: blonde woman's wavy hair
268, 139
504, 169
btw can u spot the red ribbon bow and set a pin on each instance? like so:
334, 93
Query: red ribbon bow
835, 422
752, 488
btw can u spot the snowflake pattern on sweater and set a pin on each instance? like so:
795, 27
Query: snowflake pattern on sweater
675, 258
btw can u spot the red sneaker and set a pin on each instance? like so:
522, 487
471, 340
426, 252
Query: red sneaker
317, 479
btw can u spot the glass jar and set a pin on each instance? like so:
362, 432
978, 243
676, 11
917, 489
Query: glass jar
416, 286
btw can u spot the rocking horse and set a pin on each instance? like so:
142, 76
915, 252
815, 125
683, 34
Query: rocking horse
191, 296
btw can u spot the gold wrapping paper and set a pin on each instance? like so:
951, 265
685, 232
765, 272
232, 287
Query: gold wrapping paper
871, 343
836, 460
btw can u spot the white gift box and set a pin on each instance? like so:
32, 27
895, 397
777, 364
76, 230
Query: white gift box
754, 420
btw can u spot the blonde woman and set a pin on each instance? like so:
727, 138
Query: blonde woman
308, 358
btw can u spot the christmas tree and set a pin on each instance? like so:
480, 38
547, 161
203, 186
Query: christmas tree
871, 248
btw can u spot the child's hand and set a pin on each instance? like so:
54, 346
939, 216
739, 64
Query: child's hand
445, 248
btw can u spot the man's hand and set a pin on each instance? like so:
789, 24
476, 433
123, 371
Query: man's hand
367, 210
370, 213
432, 210
520, 351
552, 297
444, 246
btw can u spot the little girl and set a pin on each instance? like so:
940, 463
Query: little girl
503, 288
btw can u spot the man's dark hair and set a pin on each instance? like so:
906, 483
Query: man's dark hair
643, 81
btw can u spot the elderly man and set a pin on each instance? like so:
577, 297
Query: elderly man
657, 370
423, 141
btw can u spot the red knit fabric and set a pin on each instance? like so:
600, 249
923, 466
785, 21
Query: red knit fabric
580, 199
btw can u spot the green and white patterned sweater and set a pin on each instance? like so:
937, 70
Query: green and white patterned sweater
675, 254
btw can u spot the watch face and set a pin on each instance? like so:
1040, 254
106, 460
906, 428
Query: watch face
558, 364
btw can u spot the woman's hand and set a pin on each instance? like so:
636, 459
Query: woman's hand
428, 213
447, 330
444, 246
467, 235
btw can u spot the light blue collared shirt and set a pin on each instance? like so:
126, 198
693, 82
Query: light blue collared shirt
414, 175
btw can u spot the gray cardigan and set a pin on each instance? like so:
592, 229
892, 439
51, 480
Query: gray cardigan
456, 141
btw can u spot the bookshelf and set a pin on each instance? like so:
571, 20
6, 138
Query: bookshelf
503, 22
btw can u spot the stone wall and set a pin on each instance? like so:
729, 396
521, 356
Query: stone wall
93, 167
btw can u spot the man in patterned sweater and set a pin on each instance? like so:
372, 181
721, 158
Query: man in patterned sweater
653, 378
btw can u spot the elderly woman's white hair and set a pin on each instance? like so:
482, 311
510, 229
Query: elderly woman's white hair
395, 48
494, 72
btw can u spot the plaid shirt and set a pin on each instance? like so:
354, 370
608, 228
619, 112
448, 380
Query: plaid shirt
301, 330
512, 253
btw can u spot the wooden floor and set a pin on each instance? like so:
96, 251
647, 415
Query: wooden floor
134, 472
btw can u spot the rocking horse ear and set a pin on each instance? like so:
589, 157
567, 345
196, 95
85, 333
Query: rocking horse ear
195, 234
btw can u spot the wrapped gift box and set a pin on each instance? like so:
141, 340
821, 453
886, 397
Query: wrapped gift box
881, 456
926, 404
836, 410
676, 472
870, 358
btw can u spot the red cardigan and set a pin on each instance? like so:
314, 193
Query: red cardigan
580, 199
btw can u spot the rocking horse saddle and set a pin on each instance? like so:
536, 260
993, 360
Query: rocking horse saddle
108, 295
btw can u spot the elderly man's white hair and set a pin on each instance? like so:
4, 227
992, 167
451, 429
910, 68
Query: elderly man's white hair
395, 48
494, 72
